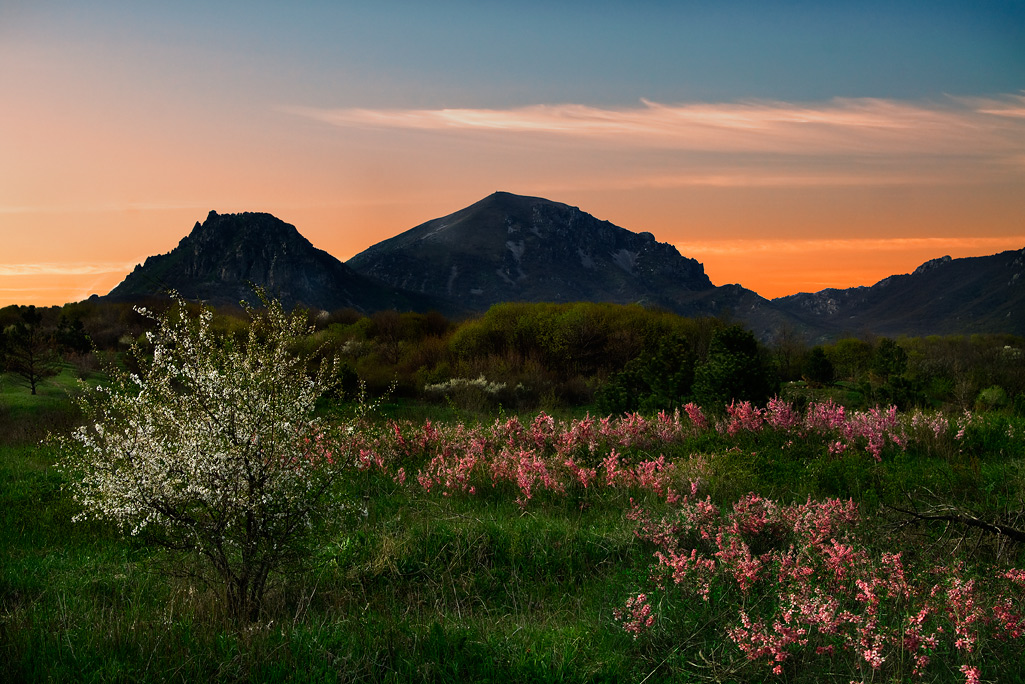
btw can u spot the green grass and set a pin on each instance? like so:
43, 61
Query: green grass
15, 393
418, 591
427, 588
27, 418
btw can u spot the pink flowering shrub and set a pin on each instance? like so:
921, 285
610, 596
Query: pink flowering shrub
795, 579
838, 428
787, 587
743, 416
543, 456
586, 455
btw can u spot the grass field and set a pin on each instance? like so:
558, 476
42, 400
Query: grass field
448, 585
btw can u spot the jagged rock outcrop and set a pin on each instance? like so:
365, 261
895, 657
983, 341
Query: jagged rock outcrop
224, 257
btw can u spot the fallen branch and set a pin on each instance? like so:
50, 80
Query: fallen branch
953, 514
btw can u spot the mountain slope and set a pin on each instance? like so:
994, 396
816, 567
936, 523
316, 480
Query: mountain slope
509, 247
222, 258
512, 248
942, 297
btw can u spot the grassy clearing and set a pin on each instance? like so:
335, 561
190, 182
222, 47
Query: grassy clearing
27, 418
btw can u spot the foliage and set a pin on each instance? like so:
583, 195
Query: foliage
991, 398
71, 336
817, 367
563, 355
212, 449
851, 358
659, 379
797, 589
734, 370
500, 548
30, 351
445, 584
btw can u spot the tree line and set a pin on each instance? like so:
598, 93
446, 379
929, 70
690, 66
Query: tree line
523, 356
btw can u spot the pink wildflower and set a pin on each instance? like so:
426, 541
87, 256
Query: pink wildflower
971, 674
636, 616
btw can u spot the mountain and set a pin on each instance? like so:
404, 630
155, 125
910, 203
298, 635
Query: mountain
512, 248
509, 247
222, 258
941, 297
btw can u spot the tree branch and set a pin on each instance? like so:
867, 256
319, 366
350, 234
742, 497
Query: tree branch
953, 514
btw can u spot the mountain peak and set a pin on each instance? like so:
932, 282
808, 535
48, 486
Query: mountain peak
224, 257
509, 247
246, 226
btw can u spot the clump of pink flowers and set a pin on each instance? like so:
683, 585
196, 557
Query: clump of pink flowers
841, 429
636, 617
780, 579
545, 455
797, 578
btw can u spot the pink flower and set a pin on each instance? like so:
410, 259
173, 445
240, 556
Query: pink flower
971, 674
636, 617
696, 416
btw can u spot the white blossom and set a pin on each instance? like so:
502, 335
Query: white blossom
212, 446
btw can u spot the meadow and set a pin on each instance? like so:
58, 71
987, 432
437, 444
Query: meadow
747, 544
569, 493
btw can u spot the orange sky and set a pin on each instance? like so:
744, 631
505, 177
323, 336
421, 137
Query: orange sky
119, 130
867, 190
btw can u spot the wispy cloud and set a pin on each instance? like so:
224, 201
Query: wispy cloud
756, 178
79, 208
813, 245
1013, 106
862, 126
64, 269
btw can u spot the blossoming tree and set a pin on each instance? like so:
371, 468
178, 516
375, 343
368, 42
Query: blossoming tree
212, 448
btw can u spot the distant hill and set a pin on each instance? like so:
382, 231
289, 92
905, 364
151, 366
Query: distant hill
223, 257
509, 247
941, 297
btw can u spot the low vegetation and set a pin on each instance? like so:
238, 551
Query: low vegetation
688, 505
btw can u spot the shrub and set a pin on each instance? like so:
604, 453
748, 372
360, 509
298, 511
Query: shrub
734, 370
991, 398
212, 449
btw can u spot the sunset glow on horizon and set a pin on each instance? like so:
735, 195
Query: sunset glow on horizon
789, 149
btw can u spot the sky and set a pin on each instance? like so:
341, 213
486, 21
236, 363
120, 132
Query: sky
788, 146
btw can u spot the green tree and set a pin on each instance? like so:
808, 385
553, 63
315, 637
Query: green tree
658, 379
31, 354
817, 367
735, 370
788, 348
889, 359
71, 337
851, 358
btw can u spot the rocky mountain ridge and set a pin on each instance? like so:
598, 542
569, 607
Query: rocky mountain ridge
224, 257
513, 248
943, 296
